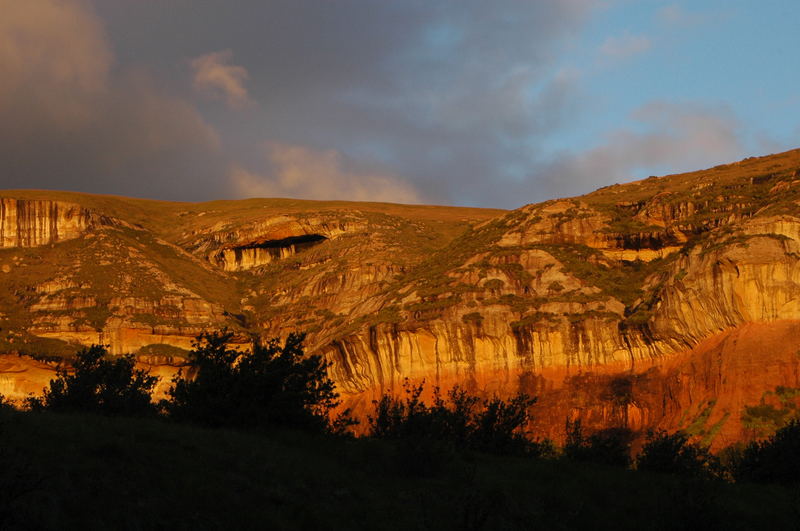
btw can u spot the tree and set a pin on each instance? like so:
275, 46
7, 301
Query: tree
100, 385
673, 453
611, 446
458, 419
774, 460
269, 385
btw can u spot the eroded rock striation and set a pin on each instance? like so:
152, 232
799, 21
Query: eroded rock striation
30, 223
603, 305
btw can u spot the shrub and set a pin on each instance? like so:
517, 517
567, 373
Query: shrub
556, 286
611, 446
459, 420
774, 460
472, 317
494, 283
100, 385
673, 453
765, 418
271, 385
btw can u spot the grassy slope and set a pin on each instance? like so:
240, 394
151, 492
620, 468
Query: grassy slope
103, 473
431, 242
168, 219
765, 171
406, 232
741, 189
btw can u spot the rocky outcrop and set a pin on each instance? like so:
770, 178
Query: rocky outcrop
242, 247
706, 391
30, 223
752, 277
241, 257
539, 301
554, 321
575, 300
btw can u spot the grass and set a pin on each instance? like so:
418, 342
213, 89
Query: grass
409, 257
160, 250
412, 263
623, 281
766, 417
751, 178
175, 220
90, 472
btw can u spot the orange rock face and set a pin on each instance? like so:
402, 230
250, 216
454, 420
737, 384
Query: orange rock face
704, 390
23, 376
649, 304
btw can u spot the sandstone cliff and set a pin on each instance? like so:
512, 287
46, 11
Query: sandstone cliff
571, 298
25, 223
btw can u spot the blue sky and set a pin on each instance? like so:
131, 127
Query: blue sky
463, 102
736, 55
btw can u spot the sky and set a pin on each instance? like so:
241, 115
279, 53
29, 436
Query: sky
495, 103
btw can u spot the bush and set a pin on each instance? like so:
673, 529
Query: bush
774, 460
611, 446
458, 420
99, 385
271, 385
674, 454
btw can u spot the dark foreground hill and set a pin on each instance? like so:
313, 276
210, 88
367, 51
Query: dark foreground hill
87, 472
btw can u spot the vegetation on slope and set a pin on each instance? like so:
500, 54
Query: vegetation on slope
152, 252
78, 471
461, 463
675, 212
411, 260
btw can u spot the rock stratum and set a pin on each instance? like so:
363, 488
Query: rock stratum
670, 302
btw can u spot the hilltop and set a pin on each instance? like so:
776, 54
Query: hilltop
645, 304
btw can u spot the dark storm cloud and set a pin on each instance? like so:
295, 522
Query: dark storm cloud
69, 119
442, 101
449, 96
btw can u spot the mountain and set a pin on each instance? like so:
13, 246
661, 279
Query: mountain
669, 302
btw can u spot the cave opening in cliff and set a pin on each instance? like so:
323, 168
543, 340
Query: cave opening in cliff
295, 243
654, 241
263, 252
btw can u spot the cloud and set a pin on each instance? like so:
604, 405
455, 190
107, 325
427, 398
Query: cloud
671, 138
55, 59
674, 14
453, 95
301, 172
214, 76
72, 119
624, 46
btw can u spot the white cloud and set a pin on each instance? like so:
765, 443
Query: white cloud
71, 120
301, 172
680, 137
677, 15
624, 46
216, 77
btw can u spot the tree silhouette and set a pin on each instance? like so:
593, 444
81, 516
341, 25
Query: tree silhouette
774, 460
674, 453
100, 385
269, 385
457, 419
611, 446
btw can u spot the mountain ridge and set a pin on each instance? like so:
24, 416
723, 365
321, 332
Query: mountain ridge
619, 281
